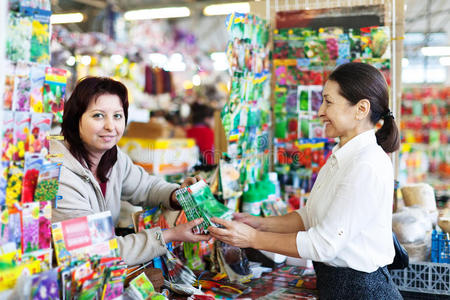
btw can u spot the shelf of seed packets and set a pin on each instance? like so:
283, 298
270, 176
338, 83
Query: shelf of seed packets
28, 180
246, 117
303, 59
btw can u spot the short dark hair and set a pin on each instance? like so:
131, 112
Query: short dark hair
200, 112
359, 81
86, 90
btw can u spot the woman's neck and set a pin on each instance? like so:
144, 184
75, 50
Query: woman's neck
95, 161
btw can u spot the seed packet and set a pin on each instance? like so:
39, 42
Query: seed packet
140, 287
18, 40
21, 131
14, 185
30, 227
316, 129
21, 96
229, 175
304, 103
4, 169
40, 37
380, 41
37, 77
10, 73
45, 217
44, 286
54, 92
48, 182
344, 46
315, 93
7, 135
10, 222
33, 164
291, 101
40, 128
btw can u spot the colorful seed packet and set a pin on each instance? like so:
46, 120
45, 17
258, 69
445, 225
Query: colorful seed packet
40, 128
10, 75
4, 169
18, 40
7, 135
30, 227
33, 164
45, 217
44, 286
303, 99
48, 182
54, 92
21, 96
40, 37
10, 223
315, 93
37, 78
21, 132
14, 184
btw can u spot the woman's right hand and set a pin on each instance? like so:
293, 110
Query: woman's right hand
246, 218
184, 233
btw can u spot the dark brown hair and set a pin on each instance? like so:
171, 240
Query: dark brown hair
86, 90
359, 81
200, 112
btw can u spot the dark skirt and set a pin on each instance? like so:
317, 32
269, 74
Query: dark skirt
346, 283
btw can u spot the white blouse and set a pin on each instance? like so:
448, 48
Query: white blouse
348, 216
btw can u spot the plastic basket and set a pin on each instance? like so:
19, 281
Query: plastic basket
440, 247
424, 277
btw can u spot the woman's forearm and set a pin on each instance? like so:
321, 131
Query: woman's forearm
282, 243
290, 223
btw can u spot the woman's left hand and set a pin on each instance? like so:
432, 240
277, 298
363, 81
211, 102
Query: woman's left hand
235, 233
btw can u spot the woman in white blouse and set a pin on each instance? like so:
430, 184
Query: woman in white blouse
345, 228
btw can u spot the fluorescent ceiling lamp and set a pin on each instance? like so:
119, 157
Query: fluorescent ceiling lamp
158, 59
436, 51
175, 63
66, 18
157, 13
445, 61
196, 80
226, 8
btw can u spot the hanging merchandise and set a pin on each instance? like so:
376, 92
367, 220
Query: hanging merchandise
246, 117
54, 92
302, 64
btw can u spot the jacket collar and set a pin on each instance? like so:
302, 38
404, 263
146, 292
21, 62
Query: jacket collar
61, 147
352, 147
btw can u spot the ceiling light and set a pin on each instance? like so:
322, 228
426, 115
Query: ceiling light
86, 60
226, 8
436, 51
117, 59
445, 61
66, 18
157, 13
158, 59
220, 61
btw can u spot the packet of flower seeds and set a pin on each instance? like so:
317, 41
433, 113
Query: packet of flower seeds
48, 182
140, 287
21, 131
304, 103
202, 195
40, 37
33, 164
45, 217
40, 128
18, 38
21, 96
30, 227
380, 40
54, 91
10, 73
11, 224
44, 286
4, 169
7, 135
37, 77
14, 185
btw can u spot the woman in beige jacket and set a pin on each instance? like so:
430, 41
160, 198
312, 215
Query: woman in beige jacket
96, 176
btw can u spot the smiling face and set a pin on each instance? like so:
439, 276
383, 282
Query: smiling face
102, 124
338, 114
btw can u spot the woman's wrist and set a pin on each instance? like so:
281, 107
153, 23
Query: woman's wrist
167, 235
173, 202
